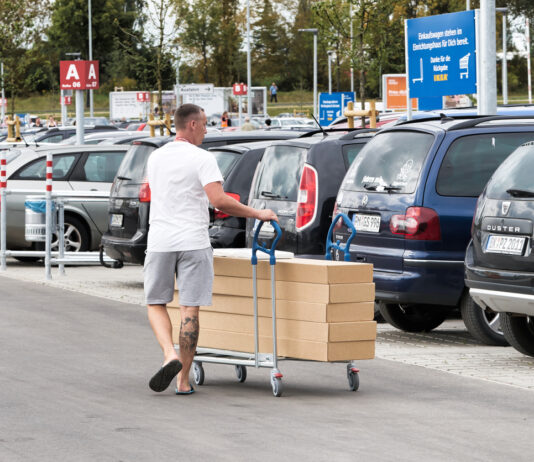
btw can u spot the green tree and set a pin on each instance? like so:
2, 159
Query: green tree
21, 24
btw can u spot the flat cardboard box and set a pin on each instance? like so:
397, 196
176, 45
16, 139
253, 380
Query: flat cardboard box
297, 270
289, 348
285, 309
296, 291
290, 329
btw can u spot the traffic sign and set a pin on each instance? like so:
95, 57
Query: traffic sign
67, 100
239, 89
331, 105
441, 54
196, 88
143, 96
78, 75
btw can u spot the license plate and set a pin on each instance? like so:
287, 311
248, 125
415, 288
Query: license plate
511, 245
116, 220
367, 223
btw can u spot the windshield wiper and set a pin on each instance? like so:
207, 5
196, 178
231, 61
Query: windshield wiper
370, 186
520, 192
271, 195
392, 188
123, 178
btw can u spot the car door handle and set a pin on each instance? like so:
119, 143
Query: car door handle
93, 189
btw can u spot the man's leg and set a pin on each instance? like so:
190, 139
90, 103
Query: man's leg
189, 330
162, 327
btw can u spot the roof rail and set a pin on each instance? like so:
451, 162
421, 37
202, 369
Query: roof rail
357, 132
439, 117
483, 119
327, 130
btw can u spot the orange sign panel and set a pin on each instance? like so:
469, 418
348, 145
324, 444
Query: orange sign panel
395, 93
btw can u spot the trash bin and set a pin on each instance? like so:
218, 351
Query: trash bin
35, 219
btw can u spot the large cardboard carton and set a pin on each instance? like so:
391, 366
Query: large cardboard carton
297, 270
288, 328
290, 348
296, 291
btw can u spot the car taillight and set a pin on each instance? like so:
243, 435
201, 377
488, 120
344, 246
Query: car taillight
218, 214
307, 198
419, 223
144, 192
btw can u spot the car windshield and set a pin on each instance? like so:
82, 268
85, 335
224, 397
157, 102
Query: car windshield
390, 162
514, 176
279, 175
133, 165
225, 160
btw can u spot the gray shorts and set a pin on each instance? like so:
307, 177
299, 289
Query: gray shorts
193, 270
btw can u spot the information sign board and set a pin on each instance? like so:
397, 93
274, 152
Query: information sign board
394, 92
442, 54
196, 88
78, 75
331, 105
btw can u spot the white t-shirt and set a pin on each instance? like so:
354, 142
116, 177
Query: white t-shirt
179, 215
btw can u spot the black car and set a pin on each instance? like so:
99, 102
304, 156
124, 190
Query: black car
129, 203
299, 180
237, 163
58, 134
499, 263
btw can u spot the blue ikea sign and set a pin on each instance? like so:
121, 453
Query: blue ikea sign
332, 105
442, 54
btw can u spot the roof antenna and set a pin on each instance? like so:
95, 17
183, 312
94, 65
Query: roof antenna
319, 125
445, 118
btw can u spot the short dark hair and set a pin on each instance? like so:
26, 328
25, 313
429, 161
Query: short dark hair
184, 113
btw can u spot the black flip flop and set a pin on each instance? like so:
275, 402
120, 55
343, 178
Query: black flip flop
163, 378
189, 392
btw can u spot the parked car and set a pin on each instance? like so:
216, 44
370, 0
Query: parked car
75, 168
113, 137
499, 262
237, 163
129, 204
411, 194
299, 180
58, 134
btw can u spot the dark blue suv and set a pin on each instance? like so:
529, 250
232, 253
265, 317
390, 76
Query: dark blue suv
411, 194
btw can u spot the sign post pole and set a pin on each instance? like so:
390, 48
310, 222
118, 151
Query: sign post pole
79, 116
3, 211
488, 72
408, 101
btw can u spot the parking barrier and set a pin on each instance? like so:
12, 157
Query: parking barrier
13, 137
60, 197
152, 123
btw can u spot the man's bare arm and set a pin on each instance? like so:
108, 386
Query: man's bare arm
229, 205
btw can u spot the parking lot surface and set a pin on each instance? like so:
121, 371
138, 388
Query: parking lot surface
449, 348
73, 386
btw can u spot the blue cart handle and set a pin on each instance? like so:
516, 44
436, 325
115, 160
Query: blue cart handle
330, 245
263, 248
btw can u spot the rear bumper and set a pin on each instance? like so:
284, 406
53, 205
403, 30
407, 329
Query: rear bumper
504, 302
128, 250
433, 282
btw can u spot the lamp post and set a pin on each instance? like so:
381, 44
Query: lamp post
330, 53
3, 94
91, 107
249, 71
314, 32
504, 12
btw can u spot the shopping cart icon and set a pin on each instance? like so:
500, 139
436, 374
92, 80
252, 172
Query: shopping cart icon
419, 79
464, 66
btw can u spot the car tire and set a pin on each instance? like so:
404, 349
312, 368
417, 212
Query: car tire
76, 235
519, 331
484, 325
413, 317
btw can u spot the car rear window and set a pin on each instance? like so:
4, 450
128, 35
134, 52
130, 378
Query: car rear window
390, 162
226, 161
471, 160
350, 152
514, 173
134, 163
279, 174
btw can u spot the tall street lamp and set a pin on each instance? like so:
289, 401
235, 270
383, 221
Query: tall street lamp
314, 32
249, 71
504, 12
330, 53
91, 107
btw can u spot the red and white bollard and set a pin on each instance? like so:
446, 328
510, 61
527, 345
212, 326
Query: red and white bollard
49, 221
3, 211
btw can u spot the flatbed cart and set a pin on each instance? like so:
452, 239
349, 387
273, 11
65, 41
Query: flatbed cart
241, 360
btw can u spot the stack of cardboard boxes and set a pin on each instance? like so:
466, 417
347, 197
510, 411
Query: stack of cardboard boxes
324, 309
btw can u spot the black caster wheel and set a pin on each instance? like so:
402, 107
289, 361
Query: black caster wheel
198, 373
353, 378
241, 372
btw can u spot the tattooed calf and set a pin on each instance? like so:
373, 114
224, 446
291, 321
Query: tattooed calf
189, 334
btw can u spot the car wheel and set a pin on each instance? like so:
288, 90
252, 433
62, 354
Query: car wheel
76, 236
377, 316
519, 331
484, 325
412, 317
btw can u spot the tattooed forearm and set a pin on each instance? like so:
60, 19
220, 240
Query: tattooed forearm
189, 334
